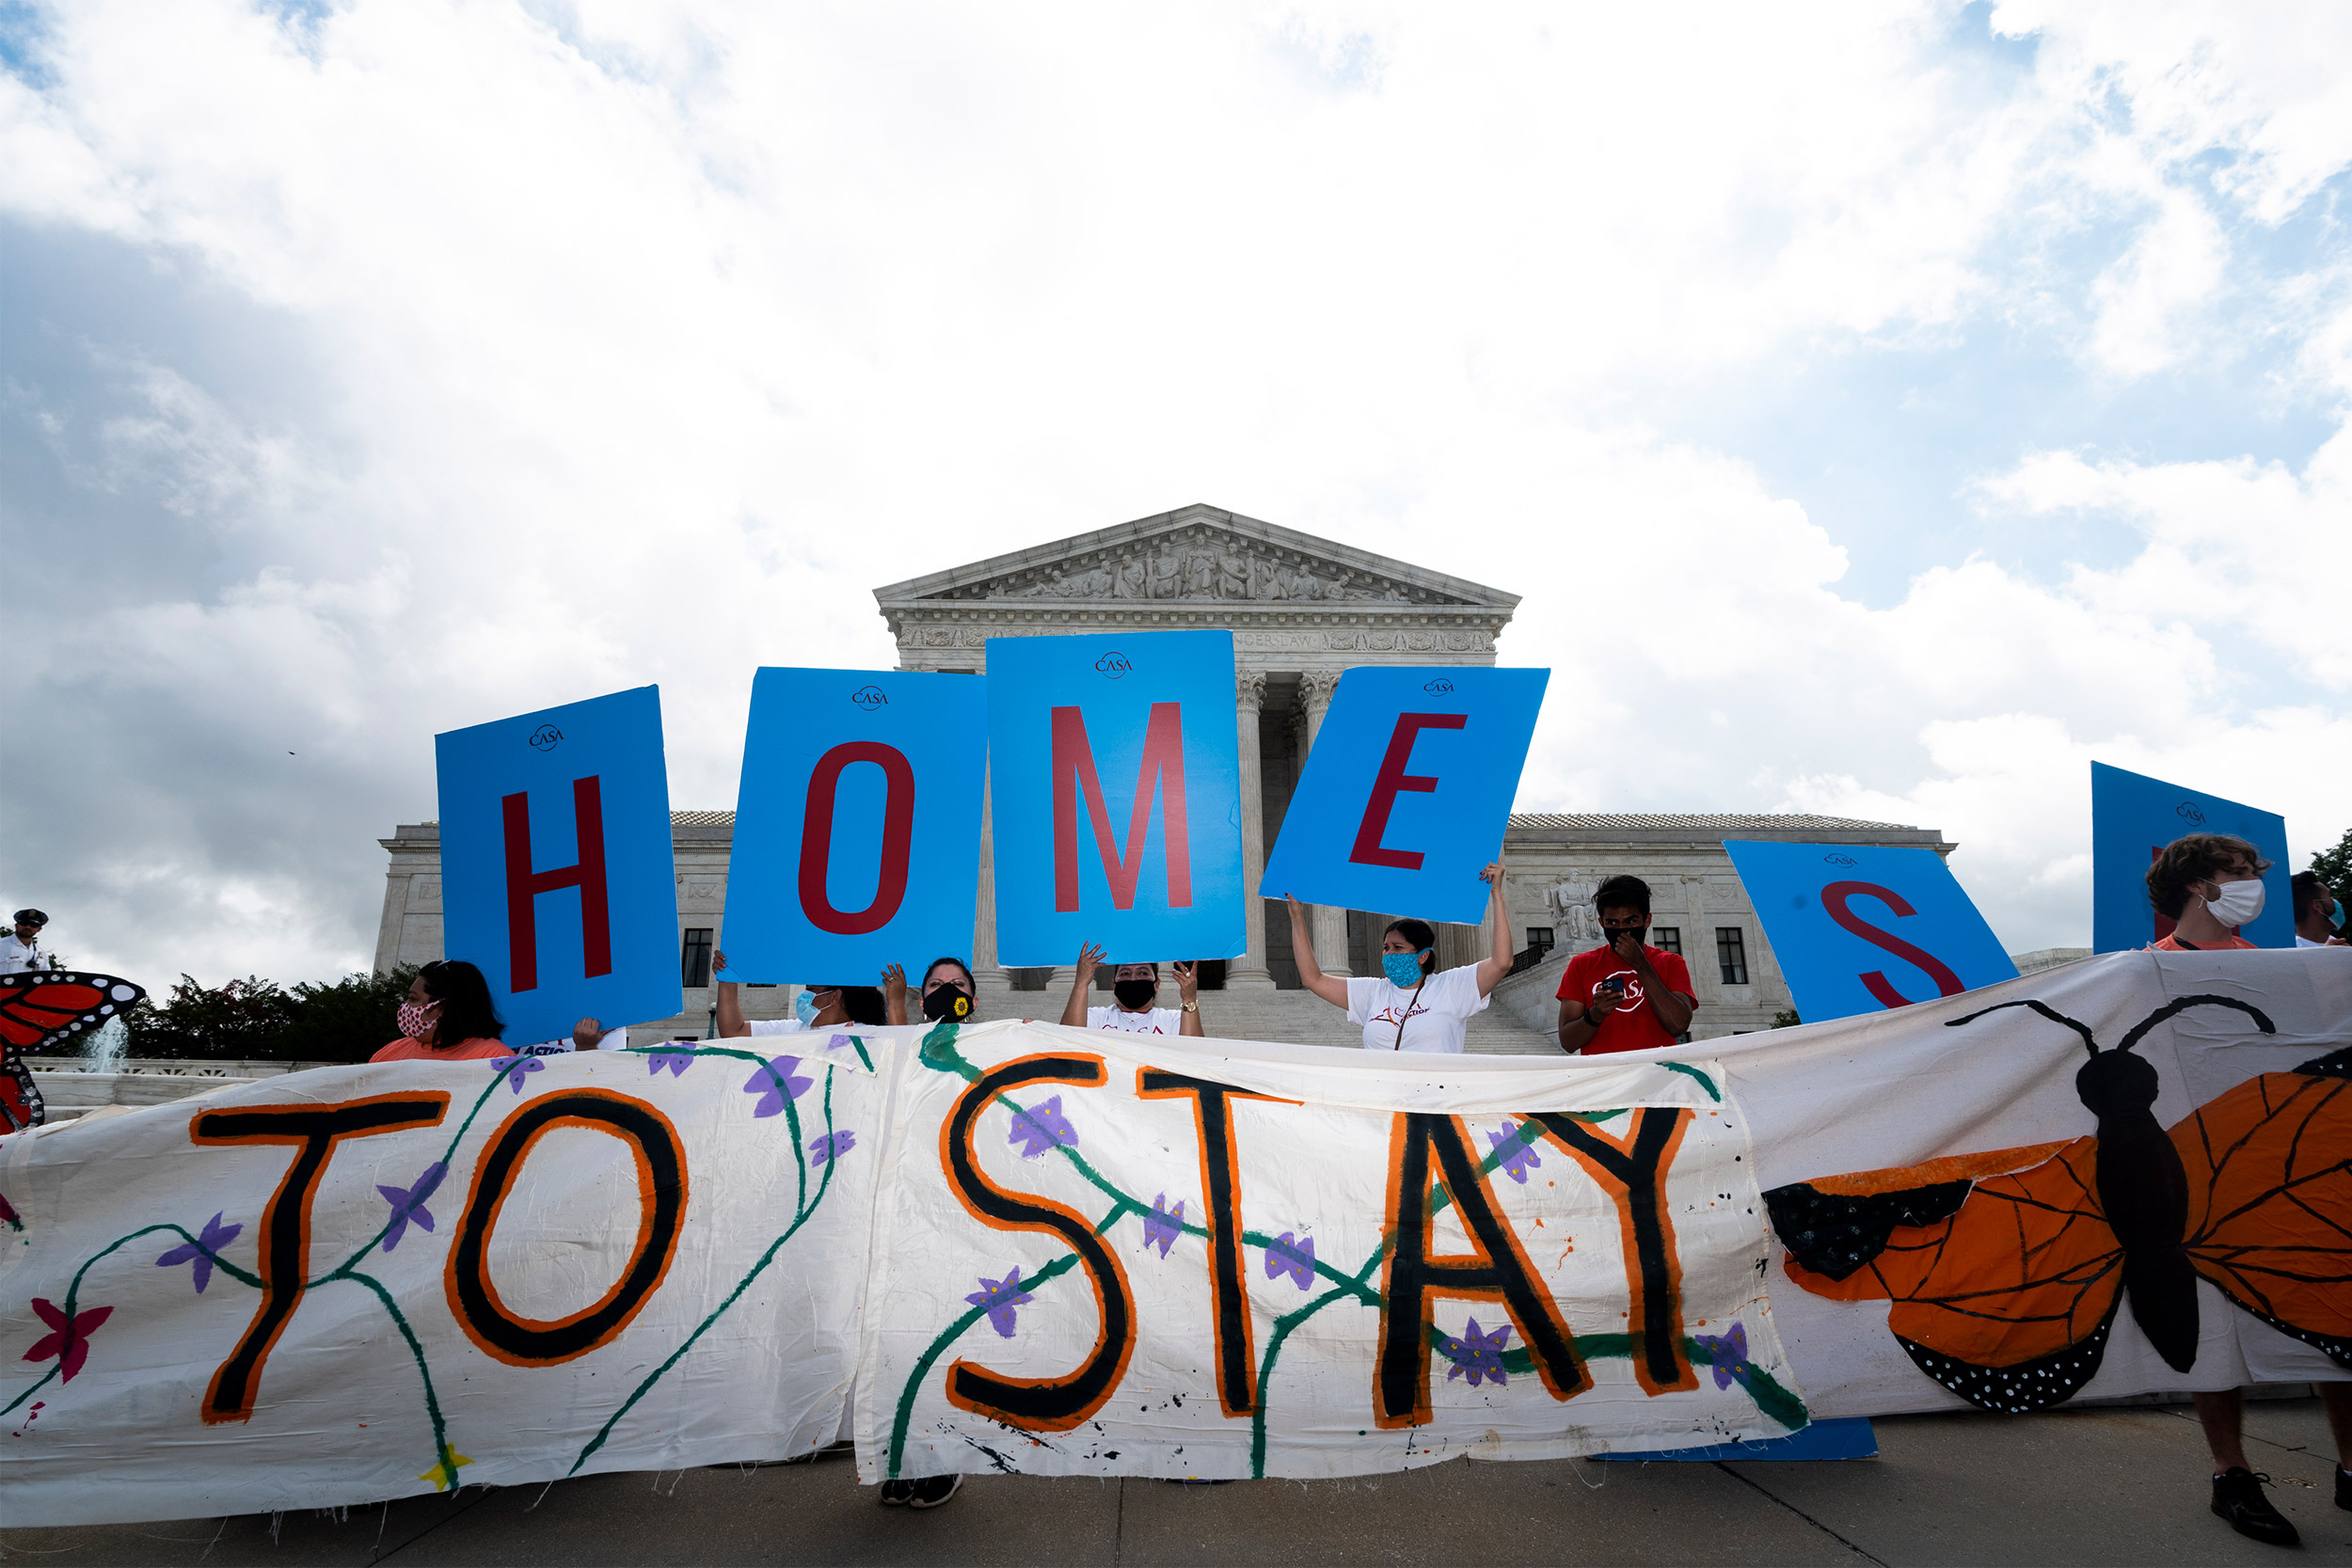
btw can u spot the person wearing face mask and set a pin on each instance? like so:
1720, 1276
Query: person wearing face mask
2208, 885
1411, 1005
21, 949
1135, 989
950, 994
2317, 917
448, 1017
824, 1006
1625, 995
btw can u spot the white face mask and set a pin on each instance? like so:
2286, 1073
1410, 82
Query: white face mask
2235, 903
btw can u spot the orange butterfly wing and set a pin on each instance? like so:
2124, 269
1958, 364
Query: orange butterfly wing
48, 1007
2006, 1300
2270, 1200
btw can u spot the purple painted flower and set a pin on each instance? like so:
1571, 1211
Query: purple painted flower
775, 1083
202, 1251
513, 1068
842, 1042
1729, 1353
1000, 1296
1164, 1225
1286, 1254
1475, 1355
409, 1203
676, 1061
831, 1145
68, 1338
1518, 1158
1043, 1128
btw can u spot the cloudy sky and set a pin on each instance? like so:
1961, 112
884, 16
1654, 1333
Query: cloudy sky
1885, 409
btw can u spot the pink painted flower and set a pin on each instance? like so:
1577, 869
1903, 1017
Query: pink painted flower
69, 1338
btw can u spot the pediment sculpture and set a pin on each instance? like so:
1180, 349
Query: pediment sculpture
1200, 566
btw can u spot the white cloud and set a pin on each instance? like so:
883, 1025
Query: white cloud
642, 343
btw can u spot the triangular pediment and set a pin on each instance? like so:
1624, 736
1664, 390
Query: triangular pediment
1195, 555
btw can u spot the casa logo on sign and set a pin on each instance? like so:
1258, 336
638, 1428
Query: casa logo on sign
2188, 812
1113, 665
870, 698
1840, 860
546, 737
1438, 688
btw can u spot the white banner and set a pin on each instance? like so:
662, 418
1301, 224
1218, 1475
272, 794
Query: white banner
1083, 1252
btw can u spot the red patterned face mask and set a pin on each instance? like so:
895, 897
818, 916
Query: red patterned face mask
416, 1019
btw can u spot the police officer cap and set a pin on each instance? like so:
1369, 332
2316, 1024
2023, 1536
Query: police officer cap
31, 917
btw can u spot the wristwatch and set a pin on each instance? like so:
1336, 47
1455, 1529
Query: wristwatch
1192, 1006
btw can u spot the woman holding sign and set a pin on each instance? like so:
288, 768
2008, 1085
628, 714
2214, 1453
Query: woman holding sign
1412, 1005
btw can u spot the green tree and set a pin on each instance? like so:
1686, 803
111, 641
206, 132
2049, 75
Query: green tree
1786, 1018
255, 1019
2335, 868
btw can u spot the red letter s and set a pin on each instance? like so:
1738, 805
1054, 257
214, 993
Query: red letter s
1833, 900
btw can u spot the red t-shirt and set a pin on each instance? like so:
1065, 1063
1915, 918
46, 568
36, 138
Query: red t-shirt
2174, 944
1631, 1025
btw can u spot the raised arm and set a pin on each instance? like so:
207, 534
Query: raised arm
731, 1023
893, 989
1188, 994
1303, 950
1492, 968
1074, 1012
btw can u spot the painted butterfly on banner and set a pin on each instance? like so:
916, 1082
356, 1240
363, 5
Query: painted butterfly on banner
2006, 1268
40, 1009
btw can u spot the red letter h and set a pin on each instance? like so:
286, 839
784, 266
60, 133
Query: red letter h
524, 886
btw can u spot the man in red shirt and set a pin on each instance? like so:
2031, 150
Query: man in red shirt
1625, 996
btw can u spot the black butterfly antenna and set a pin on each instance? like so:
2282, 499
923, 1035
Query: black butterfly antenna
2179, 1004
2047, 1011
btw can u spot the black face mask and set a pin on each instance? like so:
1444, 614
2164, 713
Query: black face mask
1135, 995
1639, 933
947, 1004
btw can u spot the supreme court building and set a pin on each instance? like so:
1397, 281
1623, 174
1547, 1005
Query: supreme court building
1301, 609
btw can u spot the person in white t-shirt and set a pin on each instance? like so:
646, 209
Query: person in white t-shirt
815, 1007
2315, 913
1135, 988
21, 949
1410, 1005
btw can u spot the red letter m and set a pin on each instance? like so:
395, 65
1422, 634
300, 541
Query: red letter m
524, 886
1163, 772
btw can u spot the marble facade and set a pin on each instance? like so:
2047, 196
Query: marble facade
1302, 609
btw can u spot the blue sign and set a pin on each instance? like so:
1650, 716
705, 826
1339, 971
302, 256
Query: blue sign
1115, 768
2133, 817
1858, 929
1408, 791
857, 824
557, 880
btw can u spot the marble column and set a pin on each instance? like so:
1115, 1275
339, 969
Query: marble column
1249, 972
984, 911
1328, 926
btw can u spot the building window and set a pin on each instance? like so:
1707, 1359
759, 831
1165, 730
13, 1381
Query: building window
1731, 953
693, 968
1539, 940
1030, 980
1666, 939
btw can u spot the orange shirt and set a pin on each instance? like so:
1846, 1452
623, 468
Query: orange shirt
406, 1050
2173, 944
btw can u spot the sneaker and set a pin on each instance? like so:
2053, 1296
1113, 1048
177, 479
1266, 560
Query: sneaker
931, 1491
896, 1493
2237, 1497
2344, 1487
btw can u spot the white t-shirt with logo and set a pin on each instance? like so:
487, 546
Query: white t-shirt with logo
1438, 1020
1158, 1021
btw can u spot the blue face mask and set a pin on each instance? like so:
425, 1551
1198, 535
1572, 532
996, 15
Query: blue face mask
1403, 968
804, 1007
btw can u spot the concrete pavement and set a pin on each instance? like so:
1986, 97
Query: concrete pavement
2121, 1486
